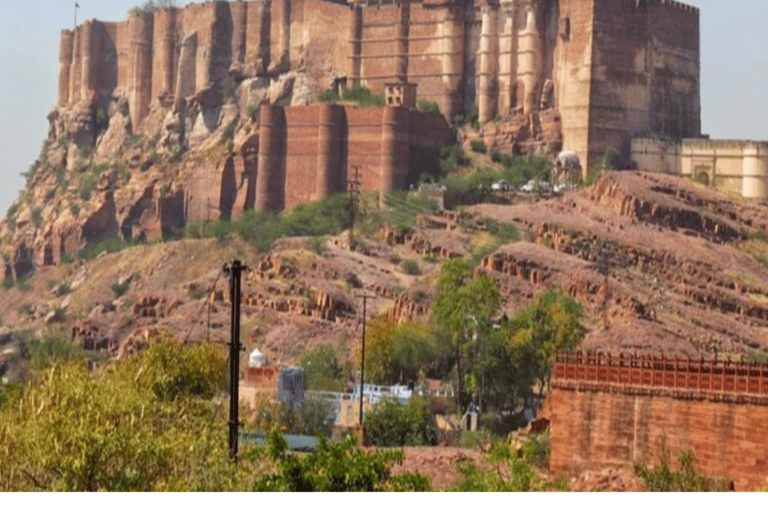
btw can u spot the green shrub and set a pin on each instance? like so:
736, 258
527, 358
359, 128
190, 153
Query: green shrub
478, 146
325, 369
428, 107
119, 289
391, 424
411, 268
328, 96
75, 209
452, 157
108, 245
362, 96
335, 468
87, 186
252, 111
663, 478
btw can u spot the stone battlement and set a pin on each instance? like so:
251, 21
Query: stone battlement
609, 411
650, 375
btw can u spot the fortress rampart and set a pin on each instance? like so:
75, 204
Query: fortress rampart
605, 68
735, 166
614, 411
308, 153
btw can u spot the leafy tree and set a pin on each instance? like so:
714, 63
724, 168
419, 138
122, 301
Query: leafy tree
335, 468
144, 424
550, 324
324, 370
464, 307
402, 353
393, 424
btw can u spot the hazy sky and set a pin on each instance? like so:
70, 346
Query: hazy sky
734, 72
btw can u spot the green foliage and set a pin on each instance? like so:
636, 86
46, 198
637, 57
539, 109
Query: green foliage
402, 210
313, 418
610, 161
86, 152
478, 146
37, 217
464, 307
324, 369
328, 96
335, 468
12, 210
663, 478
108, 245
392, 424
87, 186
470, 117
549, 325
513, 471
112, 431
327, 217
43, 350
411, 267
428, 107
451, 157
173, 370
402, 352
119, 289
150, 6
515, 170
75, 209
362, 96
504, 231
252, 111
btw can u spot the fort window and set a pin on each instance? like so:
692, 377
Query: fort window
565, 28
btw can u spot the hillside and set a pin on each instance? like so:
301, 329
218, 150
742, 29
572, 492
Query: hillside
659, 263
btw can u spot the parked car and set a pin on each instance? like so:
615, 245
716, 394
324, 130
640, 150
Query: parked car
500, 186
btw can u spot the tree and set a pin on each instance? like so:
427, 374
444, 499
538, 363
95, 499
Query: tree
393, 424
140, 425
550, 324
464, 307
335, 468
399, 353
324, 370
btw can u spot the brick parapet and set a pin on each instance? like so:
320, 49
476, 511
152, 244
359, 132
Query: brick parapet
609, 411
726, 380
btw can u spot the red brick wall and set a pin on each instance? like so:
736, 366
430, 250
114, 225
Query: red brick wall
613, 414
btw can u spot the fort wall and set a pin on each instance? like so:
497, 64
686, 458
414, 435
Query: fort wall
612, 412
735, 166
598, 71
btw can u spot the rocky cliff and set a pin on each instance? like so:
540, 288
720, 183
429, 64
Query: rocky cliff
157, 122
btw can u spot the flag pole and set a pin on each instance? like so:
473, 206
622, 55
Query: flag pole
77, 6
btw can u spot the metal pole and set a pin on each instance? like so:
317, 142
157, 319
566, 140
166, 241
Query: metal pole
362, 363
362, 355
235, 274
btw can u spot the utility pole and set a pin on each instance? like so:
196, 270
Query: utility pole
354, 185
365, 298
235, 271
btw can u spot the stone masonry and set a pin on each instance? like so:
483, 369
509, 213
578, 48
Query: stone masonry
613, 411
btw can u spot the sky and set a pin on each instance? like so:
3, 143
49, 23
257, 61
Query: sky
734, 72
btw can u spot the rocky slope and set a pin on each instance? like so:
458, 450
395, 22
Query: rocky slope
659, 263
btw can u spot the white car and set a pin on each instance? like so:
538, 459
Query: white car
500, 186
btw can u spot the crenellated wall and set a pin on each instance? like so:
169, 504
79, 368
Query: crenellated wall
609, 411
